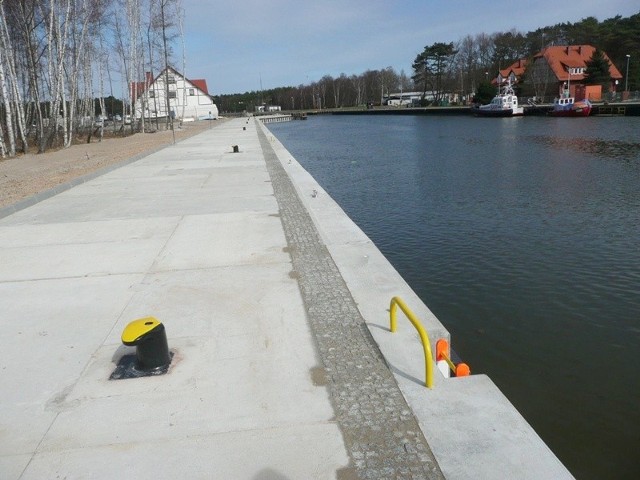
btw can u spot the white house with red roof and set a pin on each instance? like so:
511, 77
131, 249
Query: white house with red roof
189, 99
513, 73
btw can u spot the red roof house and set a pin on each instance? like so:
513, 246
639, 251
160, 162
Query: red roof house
567, 65
187, 98
513, 72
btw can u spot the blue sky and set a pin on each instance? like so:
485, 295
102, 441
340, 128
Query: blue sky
238, 44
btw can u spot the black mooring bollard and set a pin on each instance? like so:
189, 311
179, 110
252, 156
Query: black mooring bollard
150, 339
235, 148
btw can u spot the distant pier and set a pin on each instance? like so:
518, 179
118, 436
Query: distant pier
276, 118
599, 109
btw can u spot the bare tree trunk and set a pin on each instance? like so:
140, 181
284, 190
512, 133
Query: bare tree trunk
180, 16
149, 44
4, 93
101, 82
87, 98
358, 86
3, 150
133, 22
144, 99
336, 92
28, 27
128, 88
56, 41
78, 55
166, 69
7, 48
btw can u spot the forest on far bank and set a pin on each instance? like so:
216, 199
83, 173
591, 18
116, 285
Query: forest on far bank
476, 60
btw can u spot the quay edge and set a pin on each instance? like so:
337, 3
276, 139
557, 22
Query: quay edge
628, 109
471, 427
193, 235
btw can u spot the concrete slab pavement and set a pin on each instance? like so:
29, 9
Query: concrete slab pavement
190, 234
276, 309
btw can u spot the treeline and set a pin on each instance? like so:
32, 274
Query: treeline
328, 92
58, 56
468, 64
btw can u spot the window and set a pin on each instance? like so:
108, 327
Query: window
172, 94
171, 79
152, 93
192, 92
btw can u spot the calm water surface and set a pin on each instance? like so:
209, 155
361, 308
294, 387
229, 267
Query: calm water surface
521, 235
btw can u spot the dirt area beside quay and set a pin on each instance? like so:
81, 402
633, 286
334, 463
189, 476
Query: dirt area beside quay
27, 175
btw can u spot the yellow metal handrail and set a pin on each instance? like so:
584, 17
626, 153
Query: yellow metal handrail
426, 345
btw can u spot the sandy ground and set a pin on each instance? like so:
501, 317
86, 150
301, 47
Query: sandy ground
26, 175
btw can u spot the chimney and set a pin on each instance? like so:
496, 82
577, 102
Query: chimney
566, 50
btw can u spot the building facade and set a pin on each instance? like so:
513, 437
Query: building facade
512, 74
560, 71
188, 99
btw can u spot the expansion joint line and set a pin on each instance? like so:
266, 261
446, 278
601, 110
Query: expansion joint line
381, 433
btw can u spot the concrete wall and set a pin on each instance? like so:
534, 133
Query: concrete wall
472, 428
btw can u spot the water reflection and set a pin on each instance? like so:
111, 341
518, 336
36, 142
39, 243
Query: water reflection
616, 149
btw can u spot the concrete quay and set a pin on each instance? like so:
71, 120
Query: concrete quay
276, 311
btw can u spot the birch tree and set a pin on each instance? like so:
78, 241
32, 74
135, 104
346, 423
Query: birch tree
163, 5
83, 13
29, 23
6, 100
5, 53
339, 85
126, 44
14, 84
56, 24
357, 82
180, 16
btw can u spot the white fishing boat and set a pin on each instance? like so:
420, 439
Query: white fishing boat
504, 104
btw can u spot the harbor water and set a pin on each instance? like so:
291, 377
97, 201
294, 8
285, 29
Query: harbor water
522, 236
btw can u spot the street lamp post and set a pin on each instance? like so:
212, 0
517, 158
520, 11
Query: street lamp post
626, 77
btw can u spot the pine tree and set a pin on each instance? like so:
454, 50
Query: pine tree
597, 72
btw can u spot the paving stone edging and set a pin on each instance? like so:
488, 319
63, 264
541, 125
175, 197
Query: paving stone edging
381, 433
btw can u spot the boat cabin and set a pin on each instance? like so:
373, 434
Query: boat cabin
504, 101
564, 101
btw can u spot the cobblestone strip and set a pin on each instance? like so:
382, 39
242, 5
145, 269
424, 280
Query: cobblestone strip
380, 431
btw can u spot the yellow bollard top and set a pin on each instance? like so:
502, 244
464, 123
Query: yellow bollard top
138, 328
